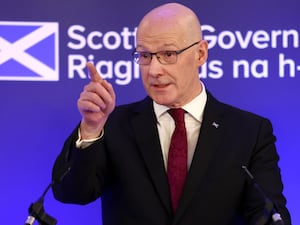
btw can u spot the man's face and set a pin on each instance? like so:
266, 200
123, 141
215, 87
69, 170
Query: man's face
175, 84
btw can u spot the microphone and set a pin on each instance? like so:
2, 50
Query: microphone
270, 207
36, 210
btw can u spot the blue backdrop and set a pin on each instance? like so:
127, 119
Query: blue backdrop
254, 63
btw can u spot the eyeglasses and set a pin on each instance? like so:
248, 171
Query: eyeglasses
164, 57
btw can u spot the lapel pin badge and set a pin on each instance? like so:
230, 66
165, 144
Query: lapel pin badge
216, 125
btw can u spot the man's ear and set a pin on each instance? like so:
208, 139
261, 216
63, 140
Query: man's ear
203, 52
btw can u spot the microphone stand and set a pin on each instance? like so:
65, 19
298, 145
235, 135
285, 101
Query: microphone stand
270, 211
37, 212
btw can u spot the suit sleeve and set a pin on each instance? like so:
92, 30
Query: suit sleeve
264, 166
85, 181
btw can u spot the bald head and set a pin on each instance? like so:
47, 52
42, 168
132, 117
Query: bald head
171, 19
171, 79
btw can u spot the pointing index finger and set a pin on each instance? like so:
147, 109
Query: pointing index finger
94, 75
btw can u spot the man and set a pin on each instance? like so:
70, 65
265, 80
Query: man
122, 154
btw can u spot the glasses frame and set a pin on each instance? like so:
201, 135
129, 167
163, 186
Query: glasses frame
177, 52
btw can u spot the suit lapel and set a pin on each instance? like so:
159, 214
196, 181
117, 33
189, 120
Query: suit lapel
211, 129
145, 129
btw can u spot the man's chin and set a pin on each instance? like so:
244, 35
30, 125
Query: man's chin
163, 100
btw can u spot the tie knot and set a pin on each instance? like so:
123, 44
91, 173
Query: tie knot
177, 114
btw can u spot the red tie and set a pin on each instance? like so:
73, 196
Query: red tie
177, 158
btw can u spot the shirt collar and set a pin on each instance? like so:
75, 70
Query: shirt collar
195, 107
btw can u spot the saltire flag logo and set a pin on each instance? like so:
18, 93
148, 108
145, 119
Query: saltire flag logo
29, 51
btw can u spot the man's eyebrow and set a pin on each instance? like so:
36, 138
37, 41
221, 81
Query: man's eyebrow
161, 47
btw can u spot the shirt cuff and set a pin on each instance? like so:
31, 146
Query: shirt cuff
84, 143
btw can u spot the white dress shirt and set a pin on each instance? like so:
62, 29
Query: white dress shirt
193, 119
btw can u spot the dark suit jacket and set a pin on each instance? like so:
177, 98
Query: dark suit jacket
125, 168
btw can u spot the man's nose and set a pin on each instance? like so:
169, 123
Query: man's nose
155, 67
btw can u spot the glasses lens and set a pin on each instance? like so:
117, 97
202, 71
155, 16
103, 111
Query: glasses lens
167, 57
164, 57
142, 58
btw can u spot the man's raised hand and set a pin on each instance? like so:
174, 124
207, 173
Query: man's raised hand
96, 102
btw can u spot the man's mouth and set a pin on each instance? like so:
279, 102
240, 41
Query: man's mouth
160, 85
